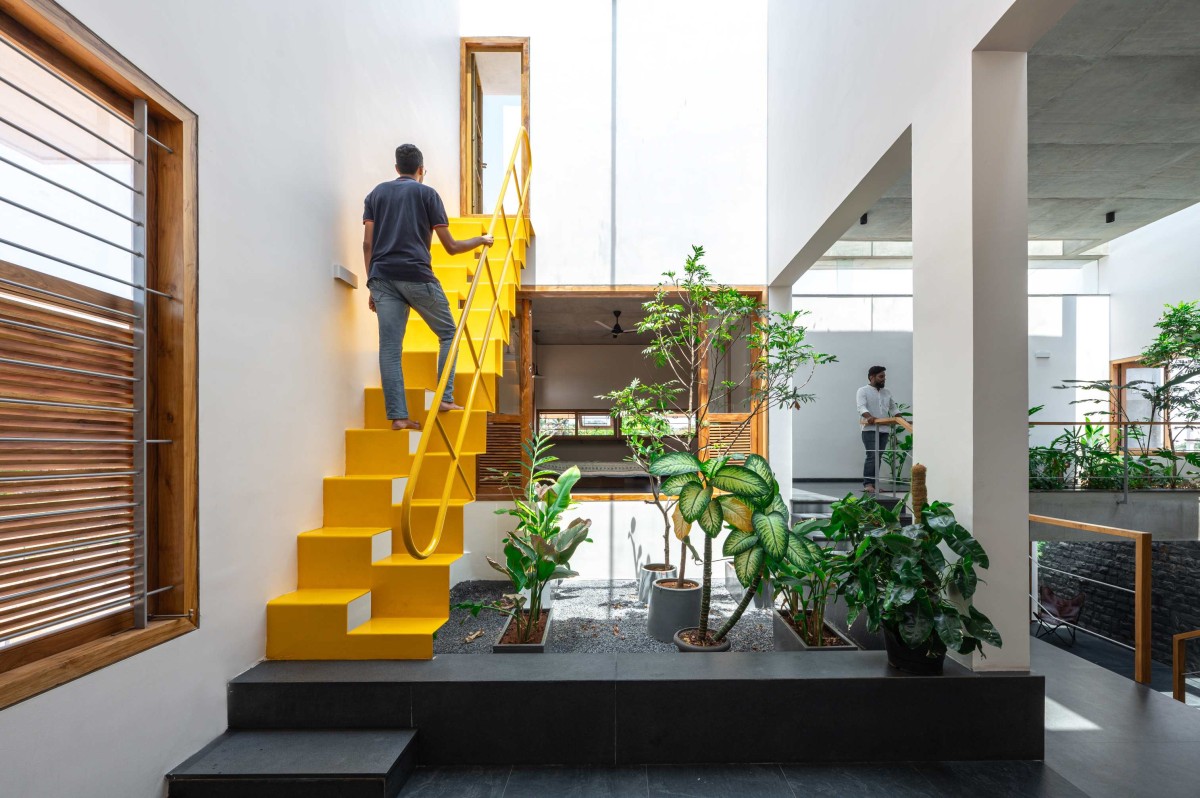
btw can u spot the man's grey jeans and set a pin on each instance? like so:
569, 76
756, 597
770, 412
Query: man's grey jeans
393, 298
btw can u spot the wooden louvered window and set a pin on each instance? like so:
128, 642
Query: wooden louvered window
97, 355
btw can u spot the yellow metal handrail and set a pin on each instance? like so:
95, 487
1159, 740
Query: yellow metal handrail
518, 174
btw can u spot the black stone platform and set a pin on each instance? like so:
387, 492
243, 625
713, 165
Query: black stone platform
297, 764
631, 709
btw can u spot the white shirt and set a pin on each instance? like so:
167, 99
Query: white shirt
879, 403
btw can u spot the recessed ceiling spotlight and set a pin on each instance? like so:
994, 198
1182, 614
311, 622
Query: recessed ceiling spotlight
1110, 217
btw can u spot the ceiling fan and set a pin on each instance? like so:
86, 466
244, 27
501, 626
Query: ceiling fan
616, 329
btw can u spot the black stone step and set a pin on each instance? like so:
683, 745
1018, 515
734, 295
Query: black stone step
613, 706
355, 763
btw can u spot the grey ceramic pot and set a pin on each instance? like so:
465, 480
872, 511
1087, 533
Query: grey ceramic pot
688, 648
647, 576
788, 639
671, 609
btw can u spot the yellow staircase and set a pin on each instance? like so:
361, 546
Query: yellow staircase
374, 581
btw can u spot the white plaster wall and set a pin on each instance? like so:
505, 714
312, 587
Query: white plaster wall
300, 110
573, 376
1146, 269
846, 79
826, 443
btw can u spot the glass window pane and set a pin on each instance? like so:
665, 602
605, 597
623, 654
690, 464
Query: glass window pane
892, 314
835, 314
600, 424
556, 422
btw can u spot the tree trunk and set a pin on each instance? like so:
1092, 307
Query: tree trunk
706, 590
682, 560
741, 607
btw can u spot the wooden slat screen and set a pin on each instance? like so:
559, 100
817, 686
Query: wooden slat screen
729, 433
497, 471
67, 544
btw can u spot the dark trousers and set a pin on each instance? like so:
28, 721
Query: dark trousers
875, 443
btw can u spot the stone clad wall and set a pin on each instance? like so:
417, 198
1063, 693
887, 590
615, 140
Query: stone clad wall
1175, 604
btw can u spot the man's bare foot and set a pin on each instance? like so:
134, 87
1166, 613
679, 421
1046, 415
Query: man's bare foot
404, 423
446, 407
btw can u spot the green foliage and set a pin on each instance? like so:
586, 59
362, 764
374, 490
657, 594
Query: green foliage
538, 550
900, 578
699, 329
1173, 404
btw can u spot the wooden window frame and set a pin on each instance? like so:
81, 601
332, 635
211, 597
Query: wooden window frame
469, 45
45, 29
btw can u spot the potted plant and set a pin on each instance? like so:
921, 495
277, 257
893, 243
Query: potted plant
537, 551
698, 328
805, 581
675, 601
635, 408
901, 580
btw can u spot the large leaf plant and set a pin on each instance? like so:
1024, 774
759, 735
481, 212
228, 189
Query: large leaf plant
538, 550
901, 579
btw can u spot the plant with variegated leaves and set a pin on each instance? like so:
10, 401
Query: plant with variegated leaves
713, 494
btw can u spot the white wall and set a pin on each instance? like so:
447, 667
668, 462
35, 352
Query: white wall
690, 134
1146, 269
299, 114
826, 442
573, 376
845, 80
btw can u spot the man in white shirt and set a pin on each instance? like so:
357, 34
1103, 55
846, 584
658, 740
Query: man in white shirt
874, 402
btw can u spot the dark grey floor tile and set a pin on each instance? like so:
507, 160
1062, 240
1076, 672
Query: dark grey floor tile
998, 780
1123, 769
456, 783
862, 781
577, 782
711, 781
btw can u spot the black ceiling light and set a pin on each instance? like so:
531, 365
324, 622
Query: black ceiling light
1110, 217
862, 219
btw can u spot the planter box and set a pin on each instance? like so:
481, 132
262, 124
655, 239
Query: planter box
788, 639
1169, 514
524, 648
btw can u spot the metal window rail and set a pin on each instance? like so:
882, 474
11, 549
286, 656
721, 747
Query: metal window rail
1141, 584
455, 474
1179, 662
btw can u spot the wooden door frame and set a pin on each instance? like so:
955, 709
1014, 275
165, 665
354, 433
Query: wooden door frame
469, 45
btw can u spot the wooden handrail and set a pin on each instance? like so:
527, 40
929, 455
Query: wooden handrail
890, 421
478, 350
1141, 583
1179, 661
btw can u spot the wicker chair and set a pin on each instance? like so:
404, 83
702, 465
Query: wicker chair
1055, 612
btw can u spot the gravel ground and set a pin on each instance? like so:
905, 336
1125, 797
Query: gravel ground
590, 617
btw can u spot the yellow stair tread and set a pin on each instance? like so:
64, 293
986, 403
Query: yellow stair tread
319, 596
405, 559
346, 531
399, 626
435, 502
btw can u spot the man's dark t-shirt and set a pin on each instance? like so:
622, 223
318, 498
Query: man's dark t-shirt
405, 213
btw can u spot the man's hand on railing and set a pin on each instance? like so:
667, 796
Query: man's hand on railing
487, 240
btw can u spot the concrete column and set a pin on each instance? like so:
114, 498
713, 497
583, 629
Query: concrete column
779, 421
970, 381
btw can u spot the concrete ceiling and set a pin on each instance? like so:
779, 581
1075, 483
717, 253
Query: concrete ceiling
499, 73
1114, 124
568, 320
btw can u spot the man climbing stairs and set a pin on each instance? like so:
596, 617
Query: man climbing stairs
360, 594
